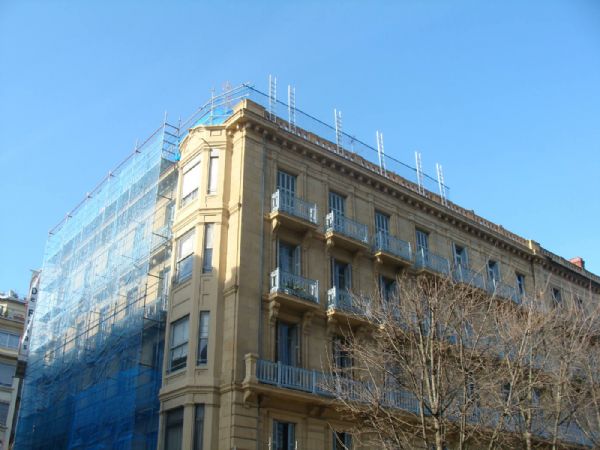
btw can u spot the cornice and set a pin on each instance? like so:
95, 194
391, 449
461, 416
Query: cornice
361, 170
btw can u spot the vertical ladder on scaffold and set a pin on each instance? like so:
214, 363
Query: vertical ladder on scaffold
441, 184
381, 153
338, 129
419, 168
272, 96
292, 108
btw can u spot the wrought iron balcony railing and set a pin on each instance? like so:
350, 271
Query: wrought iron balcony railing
291, 284
294, 206
503, 290
427, 260
342, 300
465, 275
384, 242
335, 222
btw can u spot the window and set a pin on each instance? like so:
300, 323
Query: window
9, 340
174, 429
213, 172
422, 238
198, 427
132, 296
7, 372
287, 344
382, 223
341, 275
3, 413
284, 435
460, 256
169, 211
208, 248
342, 360
203, 337
190, 182
337, 204
387, 288
185, 256
179, 343
520, 284
506, 387
493, 272
342, 440
556, 295
288, 256
286, 185
162, 291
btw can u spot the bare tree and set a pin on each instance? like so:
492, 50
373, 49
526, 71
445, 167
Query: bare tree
441, 363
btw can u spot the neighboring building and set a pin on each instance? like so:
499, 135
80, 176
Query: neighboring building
270, 225
12, 320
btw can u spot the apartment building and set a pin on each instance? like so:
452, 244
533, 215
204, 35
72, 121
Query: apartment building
192, 300
291, 225
12, 319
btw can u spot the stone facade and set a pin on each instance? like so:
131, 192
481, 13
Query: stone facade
235, 302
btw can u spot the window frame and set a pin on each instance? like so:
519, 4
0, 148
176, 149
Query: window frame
173, 422
208, 247
183, 344
213, 172
185, 260
191, 168
203, 338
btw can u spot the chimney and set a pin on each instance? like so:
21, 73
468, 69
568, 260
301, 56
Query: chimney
578, 261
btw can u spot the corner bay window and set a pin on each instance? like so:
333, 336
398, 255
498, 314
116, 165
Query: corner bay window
185, 256
191, 181
179, 343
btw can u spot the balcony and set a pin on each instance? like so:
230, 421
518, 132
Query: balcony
462, 274
322, 384
298, 383
292, 212
430, 262
500, 289
345, 233
390, 249
291, 287
340, 301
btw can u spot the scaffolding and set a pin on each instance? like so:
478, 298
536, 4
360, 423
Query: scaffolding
95, 360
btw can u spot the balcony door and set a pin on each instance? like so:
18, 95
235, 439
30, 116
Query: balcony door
287, 344
422, 238
289, 258
341, 276
286, 184
284, 436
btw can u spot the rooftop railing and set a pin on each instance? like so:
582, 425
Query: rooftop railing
336, 222
425, 259
387, 243
292, 284
465, 275
294, 206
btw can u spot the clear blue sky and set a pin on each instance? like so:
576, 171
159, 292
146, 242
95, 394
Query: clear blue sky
506, 95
